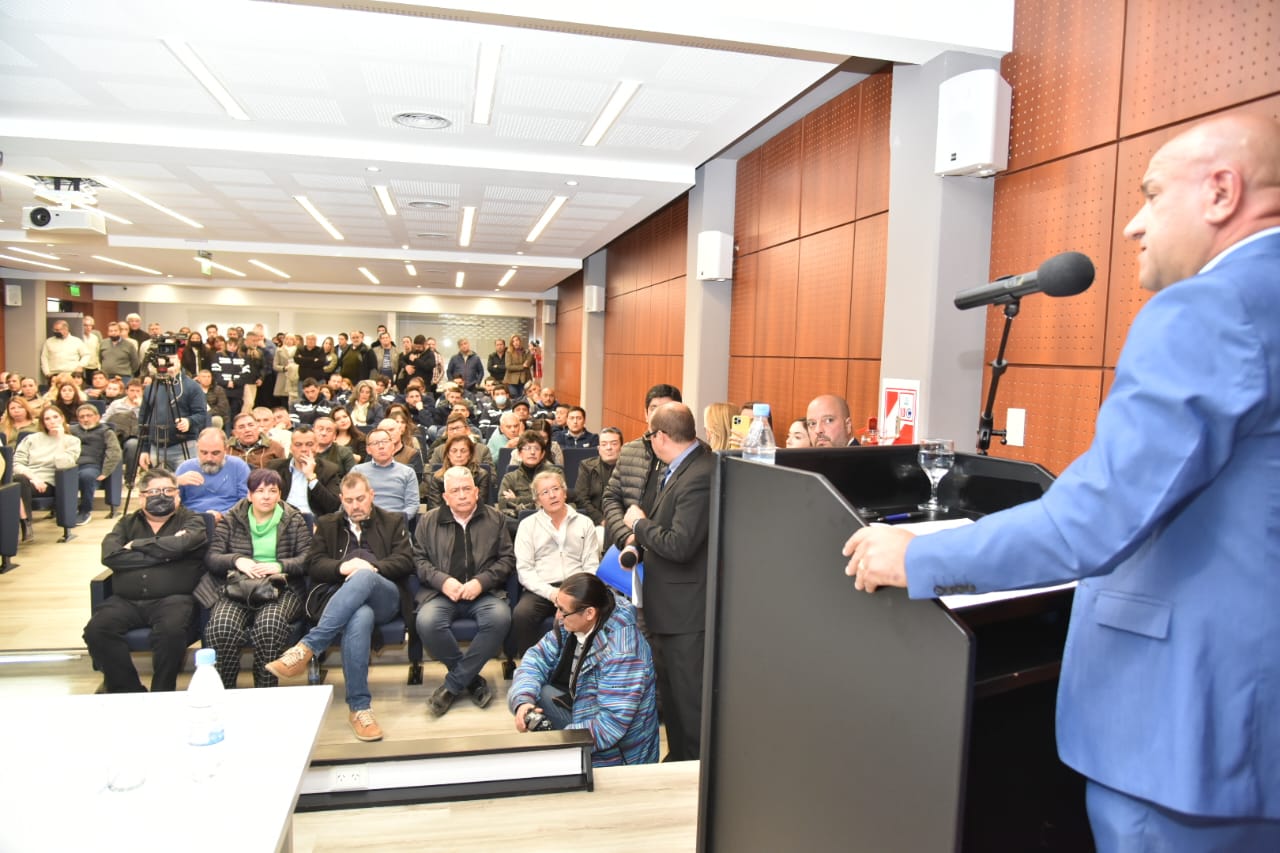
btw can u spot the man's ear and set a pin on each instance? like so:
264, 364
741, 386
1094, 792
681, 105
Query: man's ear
1226, 191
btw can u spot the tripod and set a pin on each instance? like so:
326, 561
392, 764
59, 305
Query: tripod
158, 435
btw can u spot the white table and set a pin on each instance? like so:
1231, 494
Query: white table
58, 754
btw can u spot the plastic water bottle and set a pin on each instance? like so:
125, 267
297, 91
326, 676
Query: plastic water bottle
759, 445
206, 734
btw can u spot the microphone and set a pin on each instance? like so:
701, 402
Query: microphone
1062, 275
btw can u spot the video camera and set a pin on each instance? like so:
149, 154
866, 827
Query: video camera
162, 352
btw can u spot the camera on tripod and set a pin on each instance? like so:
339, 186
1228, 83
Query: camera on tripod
163, 351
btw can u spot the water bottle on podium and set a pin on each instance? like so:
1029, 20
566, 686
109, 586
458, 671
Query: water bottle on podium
759, 445
206, 734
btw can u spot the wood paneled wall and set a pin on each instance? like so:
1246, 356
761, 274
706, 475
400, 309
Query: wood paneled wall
1098, 86
644, 314
811, 226
569, 315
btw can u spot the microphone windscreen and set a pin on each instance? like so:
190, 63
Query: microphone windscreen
1065, 275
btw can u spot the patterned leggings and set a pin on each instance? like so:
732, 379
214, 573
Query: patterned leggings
267, 629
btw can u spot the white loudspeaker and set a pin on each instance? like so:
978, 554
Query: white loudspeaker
593, 299
549, 313
13, 295
973, 124
715, 256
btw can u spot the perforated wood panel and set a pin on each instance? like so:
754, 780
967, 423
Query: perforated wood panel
873, 144
675, 251
620, 276
1204, 56
780, 187
742, 308
1065, 74
568, 378
771, 382
822, 297
569, 292
1126, 297
1062, 406
673, 337
746, 209
813, 376
1056, 207
866, 307
829, 180
740, 378
862, 389
775, 329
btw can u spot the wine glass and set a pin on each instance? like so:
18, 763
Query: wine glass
937, 455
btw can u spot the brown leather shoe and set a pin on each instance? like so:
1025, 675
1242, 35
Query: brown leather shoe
364, 725
292, 663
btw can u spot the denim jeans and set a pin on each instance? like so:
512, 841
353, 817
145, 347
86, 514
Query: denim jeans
560, 717
366, 599
88, 485
493, 618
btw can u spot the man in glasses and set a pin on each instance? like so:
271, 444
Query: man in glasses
156, 555
394, 483
463, 554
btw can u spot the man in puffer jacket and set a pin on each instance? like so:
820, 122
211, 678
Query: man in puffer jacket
607, 687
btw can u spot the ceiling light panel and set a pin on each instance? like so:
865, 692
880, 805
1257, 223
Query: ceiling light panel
126, 264
205, 77
32, 262
467, 226
384, 199
488, 59
612, 111
318, 216
373, 279
113, 184
552, 209
268, 268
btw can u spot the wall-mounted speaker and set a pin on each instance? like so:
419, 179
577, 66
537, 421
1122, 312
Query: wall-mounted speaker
13, 295
593, 299
549, 313
973, 124
715, 256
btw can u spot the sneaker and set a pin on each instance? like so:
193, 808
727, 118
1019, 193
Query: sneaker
293, 662
481, 692
363, 724
83, 518
441, 701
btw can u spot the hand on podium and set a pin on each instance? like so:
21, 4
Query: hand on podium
877, 557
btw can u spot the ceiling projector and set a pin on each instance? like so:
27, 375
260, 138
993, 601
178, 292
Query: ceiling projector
68, 221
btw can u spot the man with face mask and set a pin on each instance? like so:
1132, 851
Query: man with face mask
118, 355
63, 352
156, 555
360, 560
214, 481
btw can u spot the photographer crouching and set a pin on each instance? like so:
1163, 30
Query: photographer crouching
593, 670
173, 409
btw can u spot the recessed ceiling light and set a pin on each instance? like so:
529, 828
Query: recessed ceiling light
384, 198
206, 262
47, 257
521, 252
547, 216
410, 268
373, 279
318, 216
127, 265
486, 82
571, 183
468, 224
418, 286
372, 169
432, 235
34, 263
184, 54
458, 279
622, 95
429, 205
422, 121
510, 274
260, 265
404, 246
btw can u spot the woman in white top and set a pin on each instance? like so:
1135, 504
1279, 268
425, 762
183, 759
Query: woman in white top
287, 370
37, 459
552, 544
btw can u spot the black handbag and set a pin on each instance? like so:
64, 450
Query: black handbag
253, 592
317, 598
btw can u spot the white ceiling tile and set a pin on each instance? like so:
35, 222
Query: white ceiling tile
534, 128
13, 58
716, 70
41, 91
251, 193
147, 58
644, 136
183, 98
590, 199
278, 107
124, 169
529, 211
334, 182
424, 190
215, 174
435, 84
259, 69
541, 93
529, 194
588, 57
690, 107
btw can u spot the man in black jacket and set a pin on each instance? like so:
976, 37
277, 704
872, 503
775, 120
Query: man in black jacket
464, 557
309, 483
360, 559
156, 555
310, 360
594, 475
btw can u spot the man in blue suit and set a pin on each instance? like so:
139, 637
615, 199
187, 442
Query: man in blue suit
1169, 700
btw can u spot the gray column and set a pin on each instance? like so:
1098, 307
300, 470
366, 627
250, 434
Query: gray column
592, 375
24, 328
707, 303
939, 243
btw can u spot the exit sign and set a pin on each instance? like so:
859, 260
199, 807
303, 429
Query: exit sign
75, 289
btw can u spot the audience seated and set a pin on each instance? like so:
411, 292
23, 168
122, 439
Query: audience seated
544, 405
394, 484
248, 443
268, 426
459, 425
310, 406
212, 482
364, 406
20, 420
594, 671
360, 559
575, 432
215, 399
156, 555
552, 544
348, 435
38, 457
307, 483
326, 448
458, 452
99, 456
259, 537
407, 451
464, 556
594, 474
516, 492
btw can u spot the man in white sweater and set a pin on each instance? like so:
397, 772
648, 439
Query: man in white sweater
552, 544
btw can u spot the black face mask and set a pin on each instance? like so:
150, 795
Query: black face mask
161, 505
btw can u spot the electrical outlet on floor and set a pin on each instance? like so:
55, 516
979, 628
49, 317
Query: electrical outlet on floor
349, 777
1015, 425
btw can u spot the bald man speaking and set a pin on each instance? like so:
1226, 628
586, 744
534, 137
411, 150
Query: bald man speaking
1169, 699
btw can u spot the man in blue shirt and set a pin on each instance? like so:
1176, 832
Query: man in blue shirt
1170, 685
214, 481
395, 486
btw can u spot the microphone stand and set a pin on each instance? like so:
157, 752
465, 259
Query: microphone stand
998, 366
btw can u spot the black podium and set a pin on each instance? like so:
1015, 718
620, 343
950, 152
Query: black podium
835, 720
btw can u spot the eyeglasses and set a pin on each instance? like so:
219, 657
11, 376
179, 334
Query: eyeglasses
648, 436
565, 614
548, 492
168, 492
382, 442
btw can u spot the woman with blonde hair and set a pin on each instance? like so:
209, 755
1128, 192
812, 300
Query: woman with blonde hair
19, 420
37, 460
718, 421
519, 367
363, 406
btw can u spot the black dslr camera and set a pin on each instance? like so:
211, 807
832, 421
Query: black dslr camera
535, 721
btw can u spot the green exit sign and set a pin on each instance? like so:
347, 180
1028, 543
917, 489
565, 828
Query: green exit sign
75, 289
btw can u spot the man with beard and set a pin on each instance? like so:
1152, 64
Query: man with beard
828, 422
213, 481
419, 362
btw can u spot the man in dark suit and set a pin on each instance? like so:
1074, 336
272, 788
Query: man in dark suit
1168, 696
310, 483
671, 530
